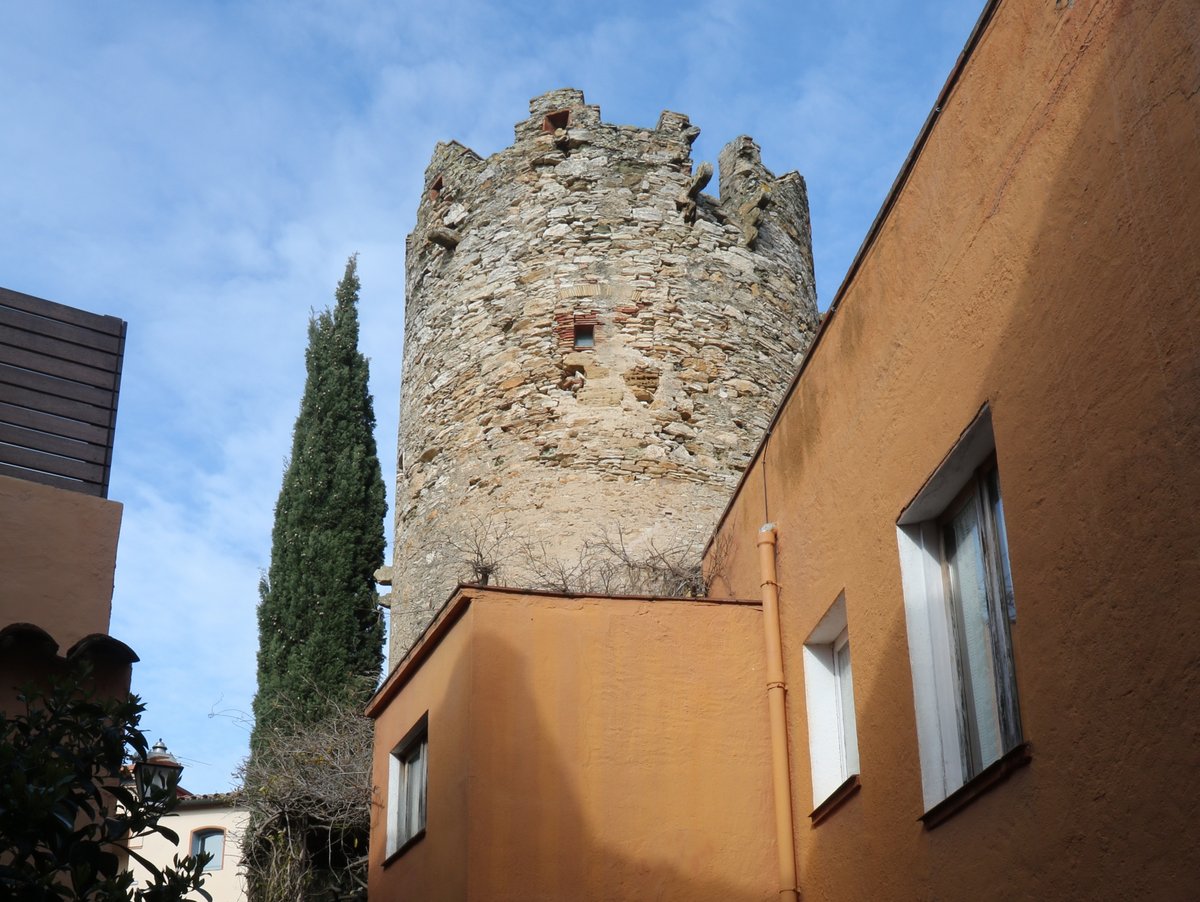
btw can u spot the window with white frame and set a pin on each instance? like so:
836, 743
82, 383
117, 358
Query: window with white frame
407, 779
958, 605
212, 841
829, 698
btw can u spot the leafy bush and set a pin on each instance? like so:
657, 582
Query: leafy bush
65, 813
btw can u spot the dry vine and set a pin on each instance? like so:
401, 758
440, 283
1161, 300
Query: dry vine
670, 568
609, 563
308, 789
481, 548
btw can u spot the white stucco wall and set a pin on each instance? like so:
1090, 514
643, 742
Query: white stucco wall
224, 879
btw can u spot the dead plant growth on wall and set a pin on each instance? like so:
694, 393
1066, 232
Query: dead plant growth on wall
609, 563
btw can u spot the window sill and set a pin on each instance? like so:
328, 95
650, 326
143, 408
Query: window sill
983, 782
408, 844
835, 800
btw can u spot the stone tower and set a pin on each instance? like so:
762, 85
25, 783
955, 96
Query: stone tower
589, 341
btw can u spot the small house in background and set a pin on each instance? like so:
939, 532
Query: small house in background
204, 823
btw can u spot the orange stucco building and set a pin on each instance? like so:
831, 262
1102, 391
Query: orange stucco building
1037, 262
575, 748
60, 374
984, 494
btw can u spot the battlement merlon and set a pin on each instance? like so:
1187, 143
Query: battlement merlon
564, 108
753, 196
561, 121
677, 122
449, 156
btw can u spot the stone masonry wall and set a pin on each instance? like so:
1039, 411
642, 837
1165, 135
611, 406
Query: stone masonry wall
589, 342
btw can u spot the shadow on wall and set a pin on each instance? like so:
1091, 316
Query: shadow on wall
1101, 420
1084, 244
538, 839
550, 778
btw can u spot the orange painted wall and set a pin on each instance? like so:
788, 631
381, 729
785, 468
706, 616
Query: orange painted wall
1043, 257
435, 868
588, 749
57, 557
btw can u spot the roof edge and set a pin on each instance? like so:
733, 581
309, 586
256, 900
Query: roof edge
460, 599
889, 201
208, 800
449, 614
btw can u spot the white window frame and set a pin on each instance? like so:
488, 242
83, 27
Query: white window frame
200, 837
832, 726
944, 734
408, 784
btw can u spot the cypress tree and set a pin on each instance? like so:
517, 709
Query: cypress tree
319, 628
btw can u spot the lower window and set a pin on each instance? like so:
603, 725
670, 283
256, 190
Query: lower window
407, 780
829, 697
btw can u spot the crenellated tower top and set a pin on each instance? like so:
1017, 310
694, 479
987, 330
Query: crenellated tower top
592, 343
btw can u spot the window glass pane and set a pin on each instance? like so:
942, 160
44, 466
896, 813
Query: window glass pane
212, 841
846, 722
216, 845
1004, 611
423, 780
414, 791
411, 800
997, 505
968, 592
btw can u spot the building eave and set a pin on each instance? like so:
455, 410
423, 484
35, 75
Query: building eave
889, 202
462, 597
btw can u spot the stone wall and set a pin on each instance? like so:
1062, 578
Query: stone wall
590, 342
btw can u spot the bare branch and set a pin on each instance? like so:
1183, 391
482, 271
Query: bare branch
482, 548
308, 789
665, 564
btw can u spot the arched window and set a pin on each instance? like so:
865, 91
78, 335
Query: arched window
212, 840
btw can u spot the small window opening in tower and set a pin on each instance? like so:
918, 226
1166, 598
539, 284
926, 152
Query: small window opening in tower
435, 189
585, 336
555, 121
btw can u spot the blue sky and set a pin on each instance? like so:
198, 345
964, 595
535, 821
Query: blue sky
203, 170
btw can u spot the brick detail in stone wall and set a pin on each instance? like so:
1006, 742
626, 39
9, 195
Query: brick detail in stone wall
567, 325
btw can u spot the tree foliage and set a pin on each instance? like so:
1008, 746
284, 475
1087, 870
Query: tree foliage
64, 812
318, 617
308, 790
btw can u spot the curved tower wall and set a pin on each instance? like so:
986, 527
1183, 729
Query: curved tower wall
514, 423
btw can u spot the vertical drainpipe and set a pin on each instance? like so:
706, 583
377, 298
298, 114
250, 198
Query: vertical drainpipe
776, 695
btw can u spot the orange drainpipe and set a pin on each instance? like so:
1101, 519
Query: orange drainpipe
776, 693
